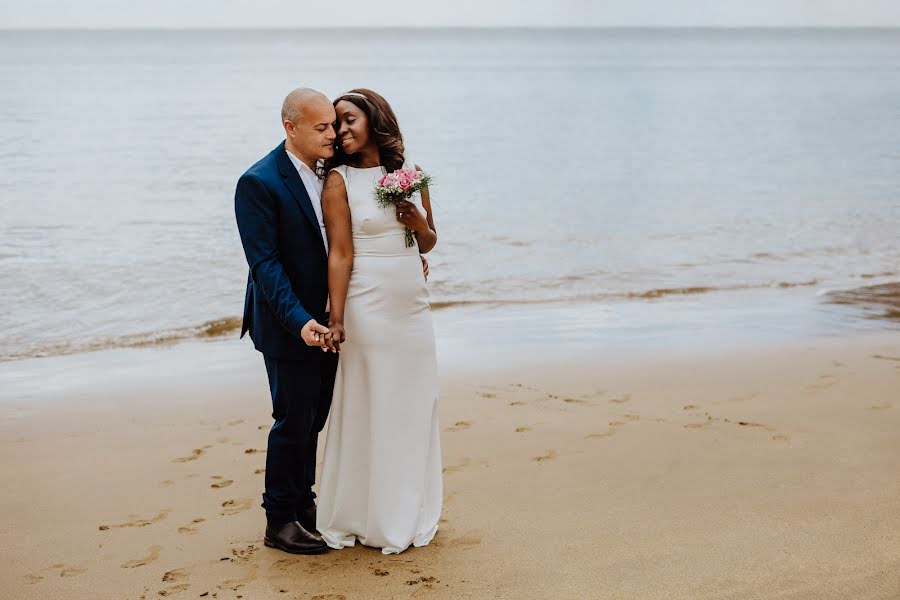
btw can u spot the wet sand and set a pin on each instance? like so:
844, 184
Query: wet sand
767, 472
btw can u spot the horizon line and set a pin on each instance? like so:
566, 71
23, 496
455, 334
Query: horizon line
461, 27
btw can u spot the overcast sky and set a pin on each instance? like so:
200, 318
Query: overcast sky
487, 13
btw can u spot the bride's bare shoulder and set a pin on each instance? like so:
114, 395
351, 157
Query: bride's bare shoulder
334, 180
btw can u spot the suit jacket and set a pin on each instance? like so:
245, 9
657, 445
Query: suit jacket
288, 280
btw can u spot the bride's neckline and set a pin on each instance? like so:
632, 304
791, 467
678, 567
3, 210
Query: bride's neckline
365, 168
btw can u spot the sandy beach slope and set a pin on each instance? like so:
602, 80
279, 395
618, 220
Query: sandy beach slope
771, 472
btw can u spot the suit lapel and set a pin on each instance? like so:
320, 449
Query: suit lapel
295, 184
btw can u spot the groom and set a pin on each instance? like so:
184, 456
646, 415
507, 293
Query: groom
279, 216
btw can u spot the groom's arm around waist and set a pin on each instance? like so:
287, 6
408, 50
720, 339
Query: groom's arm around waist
257, 220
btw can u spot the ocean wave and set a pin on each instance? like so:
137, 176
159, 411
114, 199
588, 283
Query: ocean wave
206, 330
880, 301
224, 326
612, 296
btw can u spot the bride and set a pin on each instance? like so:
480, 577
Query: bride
381, 477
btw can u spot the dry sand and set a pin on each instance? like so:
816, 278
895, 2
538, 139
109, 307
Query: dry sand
763, 473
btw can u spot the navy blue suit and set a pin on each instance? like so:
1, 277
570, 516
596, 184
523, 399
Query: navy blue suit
287, 286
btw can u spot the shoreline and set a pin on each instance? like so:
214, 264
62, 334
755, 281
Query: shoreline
651, 314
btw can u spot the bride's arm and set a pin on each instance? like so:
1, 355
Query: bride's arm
336, 214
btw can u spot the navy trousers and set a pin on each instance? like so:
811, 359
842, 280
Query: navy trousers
301, 397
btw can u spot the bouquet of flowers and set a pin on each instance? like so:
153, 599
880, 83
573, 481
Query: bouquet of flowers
398, 186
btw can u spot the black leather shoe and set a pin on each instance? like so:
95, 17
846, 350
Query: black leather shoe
307, 518
292, 537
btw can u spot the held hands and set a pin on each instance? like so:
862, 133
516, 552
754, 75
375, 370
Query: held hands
334, 338
313, 334
409, 215
327, 338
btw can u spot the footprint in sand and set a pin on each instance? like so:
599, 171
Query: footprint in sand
221, 484
690, 407
613, 426
422, 580
457, 468
882, 406
709, 421
620, 399
232, 507
466, 541
137, 522
329, 597
174, 589
574, 401
235, 422
195, 454
235, 584
548, 455
517, 403
825, 381
191, 528
175, 576
223, 440
72, 571
883, 357
487, 394
166, 483
140, 562
253, 451
522, 429
748, 424
459, 426
780, 437
380, 572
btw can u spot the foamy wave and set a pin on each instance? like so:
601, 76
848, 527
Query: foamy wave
206, 330
612, 296
229, 325
877, 301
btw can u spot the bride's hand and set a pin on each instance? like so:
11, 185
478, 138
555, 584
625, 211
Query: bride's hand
409, 215
334, 338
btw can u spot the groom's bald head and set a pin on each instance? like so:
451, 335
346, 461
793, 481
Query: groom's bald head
295, 102
308, 118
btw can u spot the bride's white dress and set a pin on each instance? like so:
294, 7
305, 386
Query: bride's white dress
381, 477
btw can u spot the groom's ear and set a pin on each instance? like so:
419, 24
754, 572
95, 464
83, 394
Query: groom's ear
289, 127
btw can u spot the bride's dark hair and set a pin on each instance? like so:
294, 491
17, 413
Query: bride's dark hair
383, 128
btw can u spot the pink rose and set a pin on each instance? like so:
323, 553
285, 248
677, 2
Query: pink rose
405, 181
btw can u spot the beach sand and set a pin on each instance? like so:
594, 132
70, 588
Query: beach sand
767, 472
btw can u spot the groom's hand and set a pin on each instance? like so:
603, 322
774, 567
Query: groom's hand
313, 333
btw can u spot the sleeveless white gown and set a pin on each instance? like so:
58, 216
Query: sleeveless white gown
381, 477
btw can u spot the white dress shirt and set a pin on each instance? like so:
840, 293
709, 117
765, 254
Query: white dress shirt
313, 186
